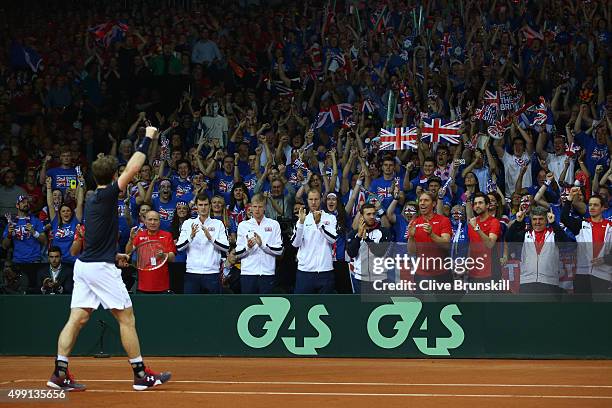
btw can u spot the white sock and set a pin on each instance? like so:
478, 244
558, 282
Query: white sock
62, 358
136, 360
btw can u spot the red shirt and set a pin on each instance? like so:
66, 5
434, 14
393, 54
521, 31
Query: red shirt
427, 249
599, 232
539, 239
159, 279
478, 249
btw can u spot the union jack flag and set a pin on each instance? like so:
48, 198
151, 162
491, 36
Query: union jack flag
368, 106
110, 32
63, 233
336, 62
62, 181
531, 34
498, 130
571, 149
486, 113
225, 186
491, 98
333, 114
541, 112
278, 87
435, 132
165, 214
348, 122
400, 138
491, 186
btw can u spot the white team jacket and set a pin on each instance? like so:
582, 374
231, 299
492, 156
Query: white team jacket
543, 268
315, 243
585, 252
203, 256
259, 260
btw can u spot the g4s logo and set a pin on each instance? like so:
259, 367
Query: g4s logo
408, 309
277, 308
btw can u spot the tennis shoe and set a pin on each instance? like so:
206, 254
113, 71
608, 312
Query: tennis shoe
66, 383
151, 379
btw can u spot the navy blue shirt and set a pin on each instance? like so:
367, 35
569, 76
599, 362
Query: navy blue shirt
101, 225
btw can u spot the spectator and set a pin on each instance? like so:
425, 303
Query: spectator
363, 244
258, 244
158, 280
540, 252
9, 194
314, 237
26, 234
204, 239
55, 277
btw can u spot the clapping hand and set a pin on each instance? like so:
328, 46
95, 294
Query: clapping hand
194, 230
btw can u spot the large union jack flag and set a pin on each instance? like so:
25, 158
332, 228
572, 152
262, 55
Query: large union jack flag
109, 32
435, 132
400, 138
333, 114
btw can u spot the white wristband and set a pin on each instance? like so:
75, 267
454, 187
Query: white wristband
36, 234
359, 182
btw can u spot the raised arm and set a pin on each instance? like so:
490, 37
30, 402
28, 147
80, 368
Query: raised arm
137, 160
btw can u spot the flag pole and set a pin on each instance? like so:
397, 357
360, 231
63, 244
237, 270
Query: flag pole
391, 107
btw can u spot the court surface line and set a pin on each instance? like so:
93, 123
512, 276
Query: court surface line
361, 394
385, 384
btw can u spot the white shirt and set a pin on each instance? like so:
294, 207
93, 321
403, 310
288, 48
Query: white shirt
315, 243
512, 170
259, 260
203, 256
556, 164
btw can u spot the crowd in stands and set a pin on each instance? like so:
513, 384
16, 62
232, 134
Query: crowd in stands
464, 124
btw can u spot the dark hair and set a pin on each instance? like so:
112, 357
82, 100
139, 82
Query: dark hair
104, 169
179, 162
232, 201
366, 206
202, 197
501, 203
429, 159
483, 195
175, 225
59, 217
55, 248
477, 185
600, 198
435, 179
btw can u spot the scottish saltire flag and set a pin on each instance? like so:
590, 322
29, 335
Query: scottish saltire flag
22, 56
109, 32
434, 131
333, 114
399, 138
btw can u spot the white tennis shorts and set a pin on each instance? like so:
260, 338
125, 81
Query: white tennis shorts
98, 283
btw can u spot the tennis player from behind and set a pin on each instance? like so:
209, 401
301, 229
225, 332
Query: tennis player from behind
96, 278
